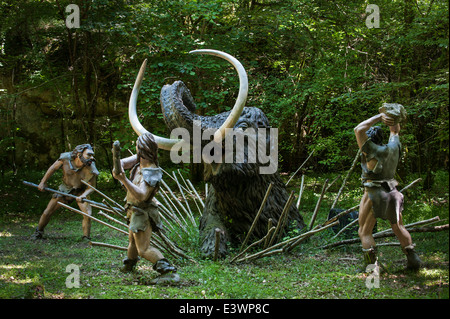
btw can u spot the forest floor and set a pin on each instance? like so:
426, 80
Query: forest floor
44, 269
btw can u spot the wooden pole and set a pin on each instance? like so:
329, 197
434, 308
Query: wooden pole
411, 184
176, 200
319, 201
265, 238
269, 227
193, 188
255, 220
189, 191
285, 210
299, 167
284, 244
300, 194
284, 216
300, 238
93, 243
93, 218
388, 233
112, 219
115, 210
106, 197
346, 227
189, 211
174, 248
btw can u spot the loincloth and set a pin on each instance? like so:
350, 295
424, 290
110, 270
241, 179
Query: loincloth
387, 201
68, 190
141, 218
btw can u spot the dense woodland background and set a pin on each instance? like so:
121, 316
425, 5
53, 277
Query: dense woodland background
314, 68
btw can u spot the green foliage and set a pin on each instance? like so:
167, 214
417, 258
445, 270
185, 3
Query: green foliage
314, 68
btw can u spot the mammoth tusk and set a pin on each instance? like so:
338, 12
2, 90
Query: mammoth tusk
242, 96
163, 143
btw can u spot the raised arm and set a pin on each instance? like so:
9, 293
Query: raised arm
141, 192
129, 162
395, 129
361, 128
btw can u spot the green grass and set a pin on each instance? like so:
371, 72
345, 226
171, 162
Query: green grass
37, 269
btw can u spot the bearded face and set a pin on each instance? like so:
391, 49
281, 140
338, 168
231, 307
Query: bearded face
87, 157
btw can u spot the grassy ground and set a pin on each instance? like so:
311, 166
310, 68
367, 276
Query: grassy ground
42, 269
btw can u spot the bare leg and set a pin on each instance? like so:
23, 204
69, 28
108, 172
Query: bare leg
367, 222
132, 252
142, 240
86, 224
404, 237
48, 212
402, 233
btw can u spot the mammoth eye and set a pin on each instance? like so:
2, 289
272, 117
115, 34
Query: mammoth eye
243, 126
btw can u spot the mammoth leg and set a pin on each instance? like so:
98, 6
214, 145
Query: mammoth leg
209, 222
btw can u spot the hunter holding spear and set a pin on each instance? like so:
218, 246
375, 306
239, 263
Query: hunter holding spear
76, 166
141, 208
381, 198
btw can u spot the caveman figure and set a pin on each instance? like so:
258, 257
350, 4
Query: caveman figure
76, 166
381, 198
142, 210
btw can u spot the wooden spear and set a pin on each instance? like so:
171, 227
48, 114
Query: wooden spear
94, 243
93, 218
106, 197
112, 219
115, 210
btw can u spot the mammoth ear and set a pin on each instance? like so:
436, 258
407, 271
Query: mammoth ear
242, 96
163, 143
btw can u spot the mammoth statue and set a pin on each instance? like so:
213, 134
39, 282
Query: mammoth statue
236, 188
